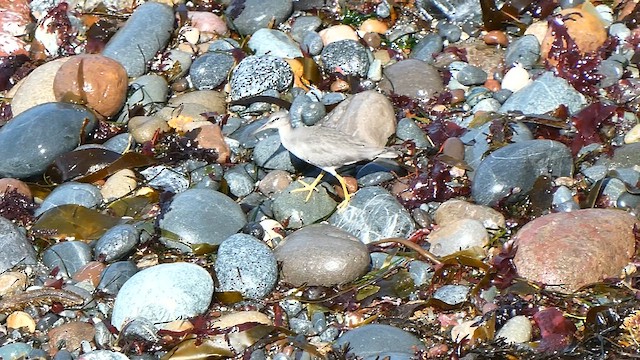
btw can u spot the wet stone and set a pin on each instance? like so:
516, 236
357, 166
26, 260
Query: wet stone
241, 183
512, 170
323, 255
116, 243
412, 78
456, 236
210, 70
347, 55
71, 192
312, 42
292, 206
545, 94
70, 335
471, 75
103, 355
245, 264
524, 51
454, 210
250, 15
374, 214
451, 32
68, 257
256, 74
408, 130
15, 351
612, 72
17, 249
270, 154
452, 294
172, 291
371, 340
115, 275
42, 133
306, 110
273, 42
304, 24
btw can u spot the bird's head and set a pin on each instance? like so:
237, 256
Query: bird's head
277, 120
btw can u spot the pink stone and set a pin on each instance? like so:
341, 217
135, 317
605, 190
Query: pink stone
207, 22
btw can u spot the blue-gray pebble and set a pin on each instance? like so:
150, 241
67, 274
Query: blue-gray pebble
274, 42
34, 138
116, 243
246, 265
408, 130
375, 339
16, 248
115, 275
72, 192
15, 351
247, 16
471, 75
211, 69
545, 94
68, 256
524, 50
427, 48
304, 24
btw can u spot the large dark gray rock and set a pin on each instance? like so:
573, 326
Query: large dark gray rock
376, 339
247, 16
16, 248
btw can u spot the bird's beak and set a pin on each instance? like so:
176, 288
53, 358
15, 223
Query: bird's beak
265, 126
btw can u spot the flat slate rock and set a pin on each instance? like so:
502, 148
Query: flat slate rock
16, 248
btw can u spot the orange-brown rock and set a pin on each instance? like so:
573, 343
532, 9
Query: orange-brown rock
584, 28
94, 80
69, 336
209, 136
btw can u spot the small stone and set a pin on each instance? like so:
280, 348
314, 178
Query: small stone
524, 51
274, 182
20, 320
457, 236
545, 94
71, 192
275, 43
240, 340
10, 184
452, 294
412, 78
256, 74
69, 336
471, 75
149, 91
68, 257
12, 282
408, 130
103, 355
299, 212
17, 249
248, 16
454, 210
347, 57
246, 265
373, 340
211, 69
496, 37
373, 26
303, 25
449, 31
119, 185
516, 78
91, 271
115, 275
427, 48
207, 22
313, 43
517, 330
143, 128
633, 135
338, 33
15, 351
210, 100
116, 243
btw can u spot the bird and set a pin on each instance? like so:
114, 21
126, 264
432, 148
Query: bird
324, 147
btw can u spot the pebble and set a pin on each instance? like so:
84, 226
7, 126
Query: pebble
115, 275
12, 282
517, 330
321, 254
347, 57
450, 32
15, 351
37, 87
452, 295
305, 109
408, 130
299, 212
496, 37
70, 336
545, 94
17, 248
524, 51
248, 16
207, 22
210, 70
457, 236
515, 78
149, 91
201, 216
427, 48
412, 78
338, 33
454, 210
210, 100
256, 74
10, 184
612, 72
103, 355
71, 192
303, 25
143, 128
374, 214
246, 265
275, 43
171, 292
471, 75
372, 341
512, 170
313, 44
38, 147
270, 154
146, 32
68, 257
565, 250
21, 320
116, 243
89, 273
238, 341
119, 185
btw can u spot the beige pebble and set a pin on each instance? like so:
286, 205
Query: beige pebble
464, 330
538, 29
516, 78
373, 26
142, 128
190, 34
20, 319
12, 282
337, 33
274, 182
633, 135
119, 185
10, 184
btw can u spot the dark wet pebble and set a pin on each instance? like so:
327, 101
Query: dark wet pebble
347, 55
568, 4
374, 214
304, 24
374, 340
545, 94
275, 43
211, 69
502, 95
299, 212
201, 216
146, 31
68, 256
41, 133
312, 43
524, 51
427, 48
171, 291
47, 321
452, 294
246, 265
451, 32
248, 16
306, 110
164, 178
116, 243
408, 130
72, 192
257, 74
477, 94
516, 167
471, 75
120, 143
115, 275
16, 248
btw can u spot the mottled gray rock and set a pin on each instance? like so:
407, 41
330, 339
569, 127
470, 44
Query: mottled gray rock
304, 24
304, 109
165, 178
115, 275
511, 171
32, 140
256, 74
211, 69
200, 216
313, 44
323, 255
456, 236
412, 78
471, 75
72, 192
143, 35
457, 11
516, 330
16, 248
273, 42
120, 143
545, 94
452, 294
246, 265
451, 32
299, 212
524, 51
247, 16
372, 340
347, 55
68, 256
374, 214
408, 130
116, 243
171, 292
241, 179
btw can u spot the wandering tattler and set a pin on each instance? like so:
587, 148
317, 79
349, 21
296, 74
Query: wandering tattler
324, 147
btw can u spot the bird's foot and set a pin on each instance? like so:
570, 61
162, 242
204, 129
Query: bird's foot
310, 188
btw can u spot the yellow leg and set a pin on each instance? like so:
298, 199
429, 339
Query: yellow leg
309, 187
347, 196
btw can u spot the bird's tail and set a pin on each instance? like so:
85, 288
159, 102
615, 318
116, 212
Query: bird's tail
389, 153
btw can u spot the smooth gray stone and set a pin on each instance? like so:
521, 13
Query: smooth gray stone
68, 256
451, 32
257, 74
545, 94
567, 4
312, 42
120, 143
273, 42
348, 55
625, 156
612, 72
33, 139
413, 78
524, 51
115, 275
15, 351
408, 130
247, 16
452, 294
163, 293
298, 211
200, 216
304, 24
374, 214
16, 248
165, 178
146, 32
116, 243
149, 91
456, 11
487, 105
82, 194
211, 69
306, 111
241, 183
375, 339
471, 75
270, 154
516, 166
247, 265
